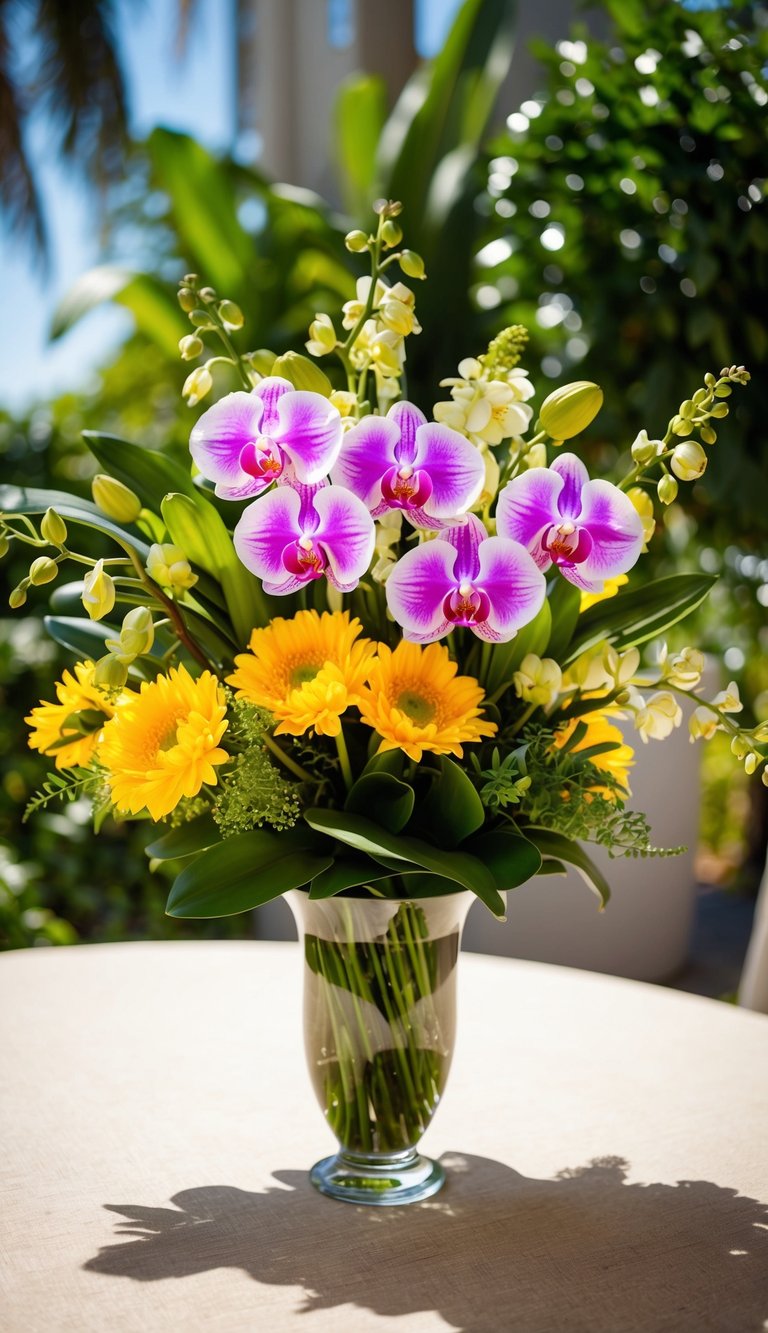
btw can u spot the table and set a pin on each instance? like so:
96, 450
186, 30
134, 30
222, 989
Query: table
605, 1145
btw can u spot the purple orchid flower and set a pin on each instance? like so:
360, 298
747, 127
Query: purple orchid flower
465, 577
275, 433
589, 529
402, 461
299, 533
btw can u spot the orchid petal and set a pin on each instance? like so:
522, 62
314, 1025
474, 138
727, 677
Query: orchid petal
367, 452
346, 534
417, 588
514, 585
218, 439
616, 530
309, 430
263, 532
409, 421
575, 478
527, 508
270, 390
466, 538
455, 467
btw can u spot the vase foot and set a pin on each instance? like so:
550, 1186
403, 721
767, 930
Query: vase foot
381, 1179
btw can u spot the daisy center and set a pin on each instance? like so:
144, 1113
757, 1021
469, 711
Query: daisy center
303, 674
416, 707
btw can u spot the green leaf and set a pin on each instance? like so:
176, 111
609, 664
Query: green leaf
347, 872
550, 866
194, 836
84, 637
201, 533
390, 799
505, 658
366, 836
360, 112
559, 847
564, 602
452, 809
245, 871
634, 617
151, 475
511, 858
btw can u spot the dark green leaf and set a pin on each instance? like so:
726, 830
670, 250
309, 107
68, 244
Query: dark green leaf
559, 847
510, 857
452, 809
564, 602
194, 836
29, 500
151, 475
82, 636
245, 871
634, 617
506, 657
388, 799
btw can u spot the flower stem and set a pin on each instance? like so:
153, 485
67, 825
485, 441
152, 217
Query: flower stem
343, 753
279, 753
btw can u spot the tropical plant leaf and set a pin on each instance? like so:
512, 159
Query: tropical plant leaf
452, 809
560, 848
391, 799
151, 303
511, 858
366, 836
29, 500
151, 475
80, 635
245, 871
634, 617
194, 836
564, 603
359, 114
347, 872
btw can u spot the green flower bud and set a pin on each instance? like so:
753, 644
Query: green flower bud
136, 636
98, 596
190, 279
4, 544
356, 241
708, 435
202, 320
53, 528
190, 346
412, 264
723, 391
114, 499
681, 426
42, 570
688, 409
197, 385
186, 299
643, 449
322, 336
700, 396
569, 410
688, 460
391, 234
261, 360
231, 314
302, 373
719, 410
19, 595
710, 380
110, 673
667, 489
207, 294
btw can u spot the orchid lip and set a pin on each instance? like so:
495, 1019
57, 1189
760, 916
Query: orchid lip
304, 560
402, 488
567, 543
262, 458
467, 606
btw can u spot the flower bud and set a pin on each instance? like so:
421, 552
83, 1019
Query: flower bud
98, 595
262, 360
302, 373
391, 234
702, 724
569, 410
202, 320
197, 385
4, 544
356, 242
190, 346
681, 426
53, 528
644, 450
207, 294
412, 264
19, 595
322, 336
345, 404
667, 489
398, 317
42, 570
136, 636
186, 299
538, 680
231, 314
110, 673
750, 763
190, 279
719, 410
114, 499
169, 567
688, 460
708, 435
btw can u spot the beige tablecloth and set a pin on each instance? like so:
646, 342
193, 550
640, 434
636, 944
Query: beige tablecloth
605, 1144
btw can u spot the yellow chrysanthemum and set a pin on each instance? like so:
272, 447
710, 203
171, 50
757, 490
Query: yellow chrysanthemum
600, 731
52, 723
416, 702
164, 743
305, 671
610, 589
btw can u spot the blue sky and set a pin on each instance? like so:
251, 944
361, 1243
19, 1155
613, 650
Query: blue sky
196, 95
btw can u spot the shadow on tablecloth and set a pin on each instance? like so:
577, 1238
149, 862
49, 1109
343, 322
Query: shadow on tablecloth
494, 1251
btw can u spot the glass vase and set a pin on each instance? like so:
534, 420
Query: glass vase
379, 1029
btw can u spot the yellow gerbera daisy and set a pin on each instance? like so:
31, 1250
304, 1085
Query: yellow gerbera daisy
305, 671
164, 743
54, 723
416, 702
599, 731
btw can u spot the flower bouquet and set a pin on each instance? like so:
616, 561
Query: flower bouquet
372, 660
